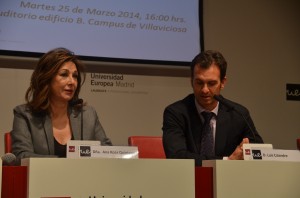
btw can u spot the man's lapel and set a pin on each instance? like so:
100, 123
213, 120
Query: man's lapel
221, 130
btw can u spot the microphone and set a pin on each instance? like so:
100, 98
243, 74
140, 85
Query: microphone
222, 100
76, 102
8, 159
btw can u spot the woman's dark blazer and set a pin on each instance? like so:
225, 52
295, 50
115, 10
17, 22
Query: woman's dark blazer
32, 134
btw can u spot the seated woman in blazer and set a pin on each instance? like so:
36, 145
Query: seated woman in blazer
53, 113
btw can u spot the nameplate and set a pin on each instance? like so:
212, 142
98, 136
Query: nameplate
93, 149
73, 147
247, 149
275, 155
124, 152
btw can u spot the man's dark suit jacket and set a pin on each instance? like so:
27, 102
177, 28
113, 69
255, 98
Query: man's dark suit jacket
182, 130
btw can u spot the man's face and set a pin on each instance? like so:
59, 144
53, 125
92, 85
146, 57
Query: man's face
206, 83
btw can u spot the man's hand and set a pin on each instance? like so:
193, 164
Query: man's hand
238, 152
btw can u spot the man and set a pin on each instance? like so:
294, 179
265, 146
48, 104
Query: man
185, 132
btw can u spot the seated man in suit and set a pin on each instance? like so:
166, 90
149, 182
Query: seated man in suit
187, 134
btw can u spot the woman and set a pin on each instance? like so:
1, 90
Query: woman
53, 113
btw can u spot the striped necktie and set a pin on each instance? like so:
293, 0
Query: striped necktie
207, 141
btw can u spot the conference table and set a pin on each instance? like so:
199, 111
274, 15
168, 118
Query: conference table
15, 179
14, 182
217, 178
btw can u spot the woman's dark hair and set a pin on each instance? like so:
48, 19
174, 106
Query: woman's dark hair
37, 95
206, 58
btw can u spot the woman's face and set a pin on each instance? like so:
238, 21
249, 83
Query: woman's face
64, 83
